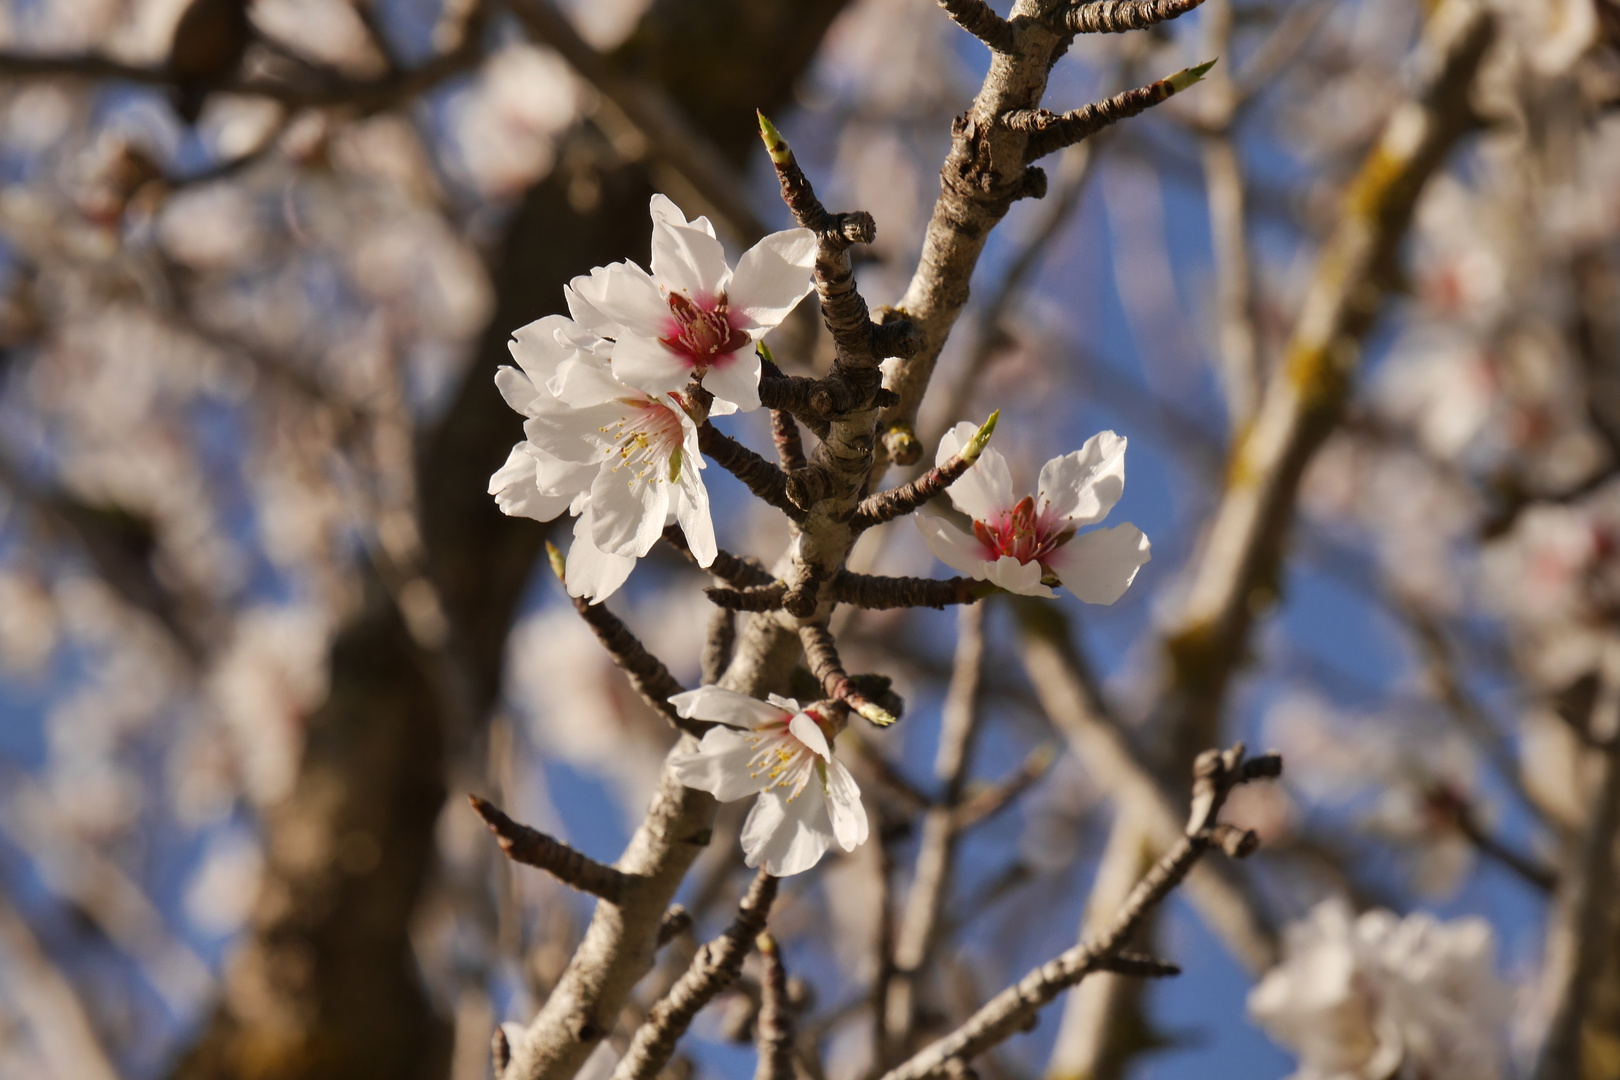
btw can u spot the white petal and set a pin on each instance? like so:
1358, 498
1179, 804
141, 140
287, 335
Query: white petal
517, 491
1098, 566
1018, 577
628, 518
771, 278
1085, 485
692, 511
627, 298
584, 381
726, 707
571, 434
579, 292
845, 808
951, 443
735, 379
985, 490
720, 766
809, 732
685, 259
787, 838
950, 545
554, 476
663, 208
590, 572
516, 388
645, 363
786, 704
537, 349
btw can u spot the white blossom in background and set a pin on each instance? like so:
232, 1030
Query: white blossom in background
694, 316
506, 128
783, 753
1018, 543
623, 460
1378, 996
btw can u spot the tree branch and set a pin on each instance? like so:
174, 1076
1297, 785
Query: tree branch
1216, 774
531, 847
1117, 16
758, 475
876, 593
980, 20
774, 1025
715, 967
1049, 132
898, 501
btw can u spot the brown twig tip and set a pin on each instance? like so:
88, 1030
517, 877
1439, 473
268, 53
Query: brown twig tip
1050, 132
774, 1025
1118, 16
1140, 965
980, 20
676, 921
532, 847
821, 656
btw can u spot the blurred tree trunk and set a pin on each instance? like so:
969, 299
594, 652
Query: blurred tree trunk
325, 984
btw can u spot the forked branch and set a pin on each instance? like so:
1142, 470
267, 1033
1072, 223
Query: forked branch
1215, 775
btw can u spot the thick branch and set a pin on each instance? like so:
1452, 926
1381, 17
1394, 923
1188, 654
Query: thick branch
715, 967
1117, 16
532, 847
1012, 1010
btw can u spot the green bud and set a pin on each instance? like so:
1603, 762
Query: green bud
975, 445
675, 465
1187, 76
775, 145
558, 562
877, 714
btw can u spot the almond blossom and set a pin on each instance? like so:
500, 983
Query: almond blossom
1376, 996
1027, 544
623, 460
783, 753
694, 316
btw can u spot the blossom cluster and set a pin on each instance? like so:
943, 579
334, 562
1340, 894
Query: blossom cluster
613, 395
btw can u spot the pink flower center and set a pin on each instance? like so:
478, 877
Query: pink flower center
1021, 533
701, 331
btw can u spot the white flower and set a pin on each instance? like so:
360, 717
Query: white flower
1016, 543
694, 315
1360, 998
622, 459
782, 753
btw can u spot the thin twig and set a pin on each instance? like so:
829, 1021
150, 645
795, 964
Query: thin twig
1049, 132
774, 1025
758, 475
531, 847
1118, 16
715, 967
647, 673
898, 501
875, 593
821, 655
1215, 775
980, 20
